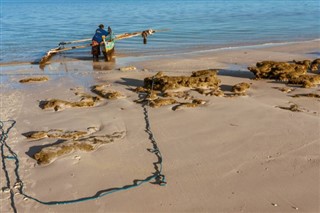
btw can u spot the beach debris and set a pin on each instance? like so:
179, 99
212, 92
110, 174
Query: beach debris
285, 89
215, 91
34, 79
292, 73
309, 95
127, 68
180, 94
162, 102
147, 95
203, 81
48, 154
5, 189
141, 89
58, 105
241, 88
198, 79
108, 94
279, 70
315, 65
87, 97
86, 100
151, 95
112, 95
274, 204
306, 81
193, 104
58, 133
292, 107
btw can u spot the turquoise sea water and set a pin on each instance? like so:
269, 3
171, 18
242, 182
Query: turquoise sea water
31, 27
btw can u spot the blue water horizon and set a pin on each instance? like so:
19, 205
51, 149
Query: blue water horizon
30, 28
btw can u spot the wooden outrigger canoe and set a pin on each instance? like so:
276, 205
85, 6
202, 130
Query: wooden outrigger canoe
107, 49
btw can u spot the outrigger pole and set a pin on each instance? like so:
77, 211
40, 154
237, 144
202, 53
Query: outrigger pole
61, 47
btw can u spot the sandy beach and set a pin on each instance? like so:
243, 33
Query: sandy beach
231, 154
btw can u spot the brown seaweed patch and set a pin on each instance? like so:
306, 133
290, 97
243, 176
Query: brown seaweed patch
292, 73
193, 104
60, 134
279, 70
91, 143
292, 107
179, 94
215, 91
305, 81
308, 95
149, 95
59, 105
241, 88
315, 65
284, 89
34, 79
162, 102
203, 78
108, 94
141, 89
87, 97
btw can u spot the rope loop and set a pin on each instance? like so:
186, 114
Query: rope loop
157, 175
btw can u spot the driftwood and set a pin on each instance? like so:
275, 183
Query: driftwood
56, 50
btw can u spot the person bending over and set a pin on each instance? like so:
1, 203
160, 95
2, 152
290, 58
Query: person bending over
97, 40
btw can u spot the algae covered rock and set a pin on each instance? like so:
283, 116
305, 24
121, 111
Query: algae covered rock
203, 78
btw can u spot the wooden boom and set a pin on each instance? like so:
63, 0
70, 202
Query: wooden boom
61, 47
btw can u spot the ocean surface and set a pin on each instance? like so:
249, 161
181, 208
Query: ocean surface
29, 28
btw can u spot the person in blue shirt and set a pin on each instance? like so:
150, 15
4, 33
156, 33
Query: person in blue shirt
96, 41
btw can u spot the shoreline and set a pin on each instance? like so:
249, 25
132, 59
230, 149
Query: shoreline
194, 51
240, 154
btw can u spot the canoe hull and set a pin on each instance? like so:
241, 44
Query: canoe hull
108, 49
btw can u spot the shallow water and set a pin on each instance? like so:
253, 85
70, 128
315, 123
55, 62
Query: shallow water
30, 28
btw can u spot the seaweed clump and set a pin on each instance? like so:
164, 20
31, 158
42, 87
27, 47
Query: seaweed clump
49, 154
292, 73
198, 79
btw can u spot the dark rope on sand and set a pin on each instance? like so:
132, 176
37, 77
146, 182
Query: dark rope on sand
156, 176
3, 138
